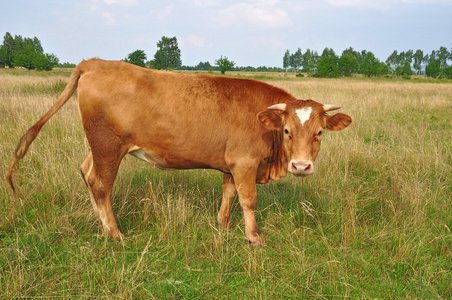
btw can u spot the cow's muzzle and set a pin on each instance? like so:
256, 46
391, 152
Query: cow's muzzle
301, 168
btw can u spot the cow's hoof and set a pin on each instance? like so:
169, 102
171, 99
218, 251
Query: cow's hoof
258, 244
118, 236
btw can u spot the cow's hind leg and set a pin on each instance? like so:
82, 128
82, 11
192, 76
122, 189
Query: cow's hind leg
99, 172
229, 193
99, 179
86, 168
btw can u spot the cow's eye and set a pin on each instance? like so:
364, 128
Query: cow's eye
286, 132
320, 133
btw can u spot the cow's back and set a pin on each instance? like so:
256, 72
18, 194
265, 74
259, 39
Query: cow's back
185, 121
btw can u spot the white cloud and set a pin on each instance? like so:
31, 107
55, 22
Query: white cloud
370, 4
427, 1
120, 2
350, 2
205, 3
261, 13
195, 40
162, 14
95, 4
266, 2
270, 43
109, 18
382, 4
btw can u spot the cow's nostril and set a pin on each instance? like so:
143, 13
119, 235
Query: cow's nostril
302, 168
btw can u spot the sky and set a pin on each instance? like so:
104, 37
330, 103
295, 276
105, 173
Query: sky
248, 32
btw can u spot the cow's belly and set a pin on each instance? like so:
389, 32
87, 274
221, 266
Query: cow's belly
175, 162
152, 159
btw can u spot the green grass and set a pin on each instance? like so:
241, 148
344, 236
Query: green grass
373, 222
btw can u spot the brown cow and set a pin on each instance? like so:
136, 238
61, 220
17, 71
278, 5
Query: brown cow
249, 130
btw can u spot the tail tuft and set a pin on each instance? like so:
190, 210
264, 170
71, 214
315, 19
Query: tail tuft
9, 175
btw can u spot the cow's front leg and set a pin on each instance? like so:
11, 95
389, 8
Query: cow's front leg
229, 193
245, 182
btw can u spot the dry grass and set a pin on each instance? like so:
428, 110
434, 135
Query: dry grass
373, 222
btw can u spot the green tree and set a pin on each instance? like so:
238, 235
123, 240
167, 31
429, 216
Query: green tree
37, 45
327, 65
418, 57
447, 72
348, 63
138, 57
46, 61
297, 60
224, 64
25, 57
25, 52
393, 60
443, 55
67, 65
168, 54
310, 60
430, 57
356, 54
405, 69
3, 56
203, 66
406, 57
286, 60
370, 65
382, 68
433, 68
7, 50
362, 55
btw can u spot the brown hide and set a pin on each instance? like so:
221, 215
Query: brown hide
181, 121
249, 130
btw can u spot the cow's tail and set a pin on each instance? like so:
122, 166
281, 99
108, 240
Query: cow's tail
31, 134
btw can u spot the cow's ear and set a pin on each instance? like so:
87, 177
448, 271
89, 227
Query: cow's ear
270, 119
338, 122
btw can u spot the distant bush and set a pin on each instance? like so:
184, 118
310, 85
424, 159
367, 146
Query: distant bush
447, 72
406, 76
433, 69
67, 65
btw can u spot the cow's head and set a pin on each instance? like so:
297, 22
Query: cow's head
302, 123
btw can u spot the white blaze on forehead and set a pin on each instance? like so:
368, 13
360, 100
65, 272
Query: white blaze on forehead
304, 114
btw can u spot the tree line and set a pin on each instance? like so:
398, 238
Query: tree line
168, 56
405, 63
28, 53
25, 52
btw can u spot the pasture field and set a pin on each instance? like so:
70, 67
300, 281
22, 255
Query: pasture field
373, 222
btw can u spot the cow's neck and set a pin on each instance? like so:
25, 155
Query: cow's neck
276, 167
